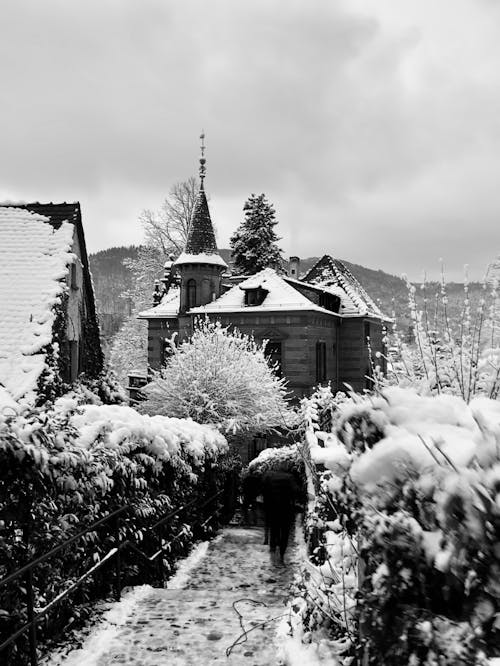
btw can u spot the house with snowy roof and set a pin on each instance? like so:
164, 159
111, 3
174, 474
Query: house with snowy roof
48, 326
317, 327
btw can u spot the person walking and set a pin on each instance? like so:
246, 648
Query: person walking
280, 492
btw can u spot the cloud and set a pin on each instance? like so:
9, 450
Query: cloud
371, 127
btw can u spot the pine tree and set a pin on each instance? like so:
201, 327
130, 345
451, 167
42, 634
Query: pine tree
253, 244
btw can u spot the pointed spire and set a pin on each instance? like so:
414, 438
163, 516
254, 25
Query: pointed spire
201, 237
203, 161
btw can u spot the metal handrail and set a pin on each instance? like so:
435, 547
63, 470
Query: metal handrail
114, 553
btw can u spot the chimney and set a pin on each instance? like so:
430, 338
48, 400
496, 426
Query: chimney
294, 267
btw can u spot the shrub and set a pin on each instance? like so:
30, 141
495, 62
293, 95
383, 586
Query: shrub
409, 519
221, 377
65, 466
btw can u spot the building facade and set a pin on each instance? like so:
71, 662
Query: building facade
320, 328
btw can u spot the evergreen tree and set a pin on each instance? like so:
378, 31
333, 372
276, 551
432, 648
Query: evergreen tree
253, 244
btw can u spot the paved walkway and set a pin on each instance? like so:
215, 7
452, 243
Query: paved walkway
236, 584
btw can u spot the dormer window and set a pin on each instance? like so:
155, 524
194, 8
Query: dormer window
255, 296
329, 302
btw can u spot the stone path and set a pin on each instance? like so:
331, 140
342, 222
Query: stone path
236, 582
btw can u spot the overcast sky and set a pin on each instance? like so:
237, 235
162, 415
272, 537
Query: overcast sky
373, 126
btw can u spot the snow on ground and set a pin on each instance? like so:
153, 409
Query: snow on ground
108, 628
183, 573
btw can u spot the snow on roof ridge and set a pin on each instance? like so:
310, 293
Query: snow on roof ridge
201, 258
172, 297
354, 292
33, 264
281, 295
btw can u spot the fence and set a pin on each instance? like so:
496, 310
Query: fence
114, 555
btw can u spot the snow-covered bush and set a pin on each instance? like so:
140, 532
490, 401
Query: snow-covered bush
284, 458
459, 358
408, 510
65, 466
219, 376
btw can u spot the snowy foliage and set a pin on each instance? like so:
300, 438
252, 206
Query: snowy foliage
165, 233
284, 458
253, 244
404, 529
65, 466
129, 351
219, 376
448, 357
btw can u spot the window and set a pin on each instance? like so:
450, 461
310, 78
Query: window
273, 353
329, 302
320, 362
366, 332
255, 296
191, 294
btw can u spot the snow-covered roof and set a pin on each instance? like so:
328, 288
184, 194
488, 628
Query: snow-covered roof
34, 256
167, 308
333, 276
200, 258
281, 296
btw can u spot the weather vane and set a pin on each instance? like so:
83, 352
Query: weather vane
203, 161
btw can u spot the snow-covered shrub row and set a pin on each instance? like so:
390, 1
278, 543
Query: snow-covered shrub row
69, 464
407, 567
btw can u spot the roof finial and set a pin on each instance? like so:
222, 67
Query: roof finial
203, 161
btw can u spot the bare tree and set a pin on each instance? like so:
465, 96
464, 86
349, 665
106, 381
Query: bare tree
165, 233
167, 229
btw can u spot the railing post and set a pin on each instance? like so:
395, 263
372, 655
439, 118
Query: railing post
118, 561
30, 601
161, 575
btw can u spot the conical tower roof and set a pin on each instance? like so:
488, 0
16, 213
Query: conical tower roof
201, 237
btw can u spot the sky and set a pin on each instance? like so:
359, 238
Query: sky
372, 126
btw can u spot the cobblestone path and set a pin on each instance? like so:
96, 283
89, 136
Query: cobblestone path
197, 624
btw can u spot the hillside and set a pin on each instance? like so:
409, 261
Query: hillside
112, 279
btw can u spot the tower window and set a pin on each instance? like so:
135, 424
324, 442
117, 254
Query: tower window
191, 294
320, 362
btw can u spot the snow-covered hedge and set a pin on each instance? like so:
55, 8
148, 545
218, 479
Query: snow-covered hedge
67, 465
407, 568
286, 458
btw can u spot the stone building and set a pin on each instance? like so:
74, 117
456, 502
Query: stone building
317, 326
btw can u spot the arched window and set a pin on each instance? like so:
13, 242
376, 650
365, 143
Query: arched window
191, 294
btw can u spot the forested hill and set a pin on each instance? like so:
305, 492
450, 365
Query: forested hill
112, 279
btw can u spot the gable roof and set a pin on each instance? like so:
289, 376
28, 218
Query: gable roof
34, 256
333, 276
281, 296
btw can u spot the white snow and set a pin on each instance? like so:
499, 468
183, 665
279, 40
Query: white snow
202, 258
168, 307
164, 436
33, 264
280, 296
183, 573
337, 279
108, 628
